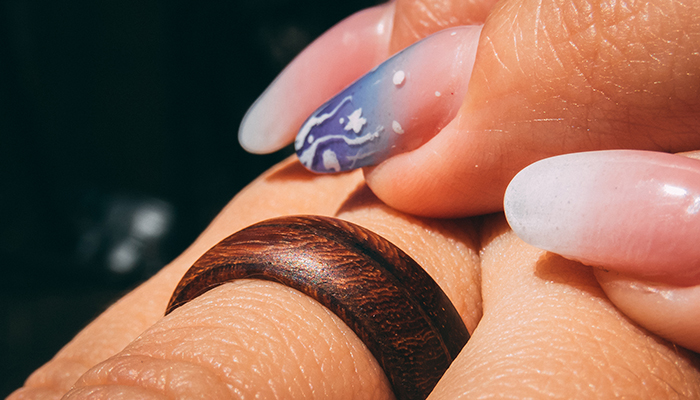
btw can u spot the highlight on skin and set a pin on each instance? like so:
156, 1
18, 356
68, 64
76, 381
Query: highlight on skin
546, 330
539, 88
551, 78
637, 212
394, 108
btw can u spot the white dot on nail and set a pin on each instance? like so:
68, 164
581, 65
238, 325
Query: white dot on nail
341, 120
397, 127
330, 161
438, 94
310, 139
399, 77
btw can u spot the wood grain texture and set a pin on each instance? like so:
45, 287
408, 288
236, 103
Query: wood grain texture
381, 293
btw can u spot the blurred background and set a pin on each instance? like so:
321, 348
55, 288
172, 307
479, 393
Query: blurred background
118, 145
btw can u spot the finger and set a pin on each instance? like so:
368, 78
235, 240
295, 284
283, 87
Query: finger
446, 249
416, 19
244, 339
253, 338
548, 331
549, 79
207, 323
340, 56
141, 308
672, 312
634, 215
265, 340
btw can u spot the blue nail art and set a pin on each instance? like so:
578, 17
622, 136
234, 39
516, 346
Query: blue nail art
356, 128
394, 108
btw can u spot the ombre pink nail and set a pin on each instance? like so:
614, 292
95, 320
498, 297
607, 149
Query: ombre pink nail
341, 55
634, 212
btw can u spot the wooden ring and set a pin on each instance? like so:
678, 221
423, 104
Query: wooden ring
381, 293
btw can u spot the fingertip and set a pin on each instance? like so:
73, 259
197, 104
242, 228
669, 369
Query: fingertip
396, 107
672, 312
453, 175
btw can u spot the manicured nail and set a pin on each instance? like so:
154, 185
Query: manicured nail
341, 55
394, 108
634, 212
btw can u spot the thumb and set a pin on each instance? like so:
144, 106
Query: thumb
553, 78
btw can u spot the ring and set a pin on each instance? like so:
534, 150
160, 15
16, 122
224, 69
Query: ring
381, 293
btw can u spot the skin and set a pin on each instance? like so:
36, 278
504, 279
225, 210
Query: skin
542, 326
550, 77
557, 77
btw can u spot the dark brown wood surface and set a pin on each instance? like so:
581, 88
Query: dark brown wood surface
382, 294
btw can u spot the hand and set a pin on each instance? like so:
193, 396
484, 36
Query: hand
548, 78
546, 330
541, 325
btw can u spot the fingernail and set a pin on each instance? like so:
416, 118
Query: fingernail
634, 212
394, 108
341, 55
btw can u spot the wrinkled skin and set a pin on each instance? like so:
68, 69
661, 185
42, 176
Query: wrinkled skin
550, 77
542, 326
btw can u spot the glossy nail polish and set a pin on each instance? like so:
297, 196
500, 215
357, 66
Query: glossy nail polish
394, 108
341, 55
635, 212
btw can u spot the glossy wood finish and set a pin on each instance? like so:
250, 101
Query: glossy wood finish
382, 294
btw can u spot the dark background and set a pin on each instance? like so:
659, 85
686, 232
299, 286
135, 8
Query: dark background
118, 145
